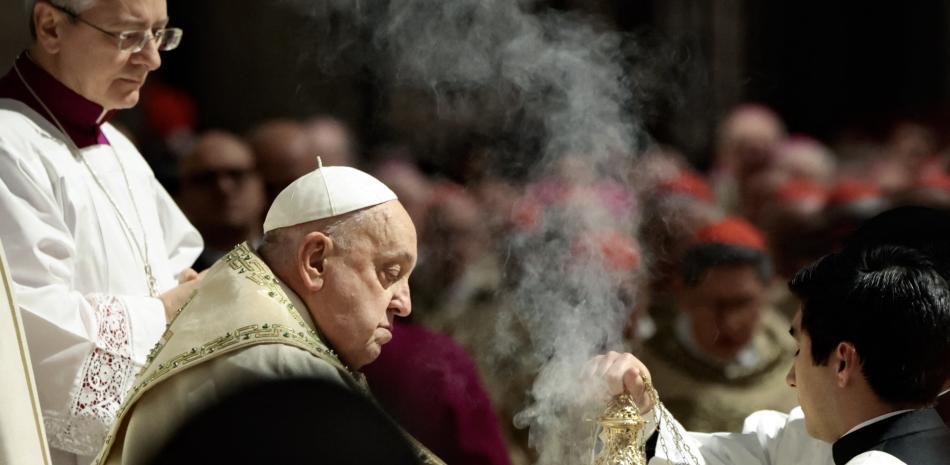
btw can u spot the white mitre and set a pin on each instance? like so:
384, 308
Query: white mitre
324, 193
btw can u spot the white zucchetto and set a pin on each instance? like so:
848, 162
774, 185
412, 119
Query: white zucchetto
324, 193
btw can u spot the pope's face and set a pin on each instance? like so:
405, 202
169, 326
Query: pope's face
367, 285
814, 384
91, 64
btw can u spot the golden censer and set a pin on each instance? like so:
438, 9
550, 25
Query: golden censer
623, 432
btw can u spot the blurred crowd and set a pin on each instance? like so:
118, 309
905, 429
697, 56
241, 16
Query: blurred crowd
702, 268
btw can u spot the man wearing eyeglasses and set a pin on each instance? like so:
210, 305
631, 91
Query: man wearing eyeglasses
99, 253
222, 194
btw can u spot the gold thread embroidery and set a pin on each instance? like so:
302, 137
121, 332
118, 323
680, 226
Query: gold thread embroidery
276, 332
243, 262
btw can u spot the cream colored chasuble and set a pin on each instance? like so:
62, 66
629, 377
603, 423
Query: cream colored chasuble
22, 437
239, 327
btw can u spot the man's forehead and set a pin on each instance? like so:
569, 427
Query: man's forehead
390, 228
224, 152
142, 13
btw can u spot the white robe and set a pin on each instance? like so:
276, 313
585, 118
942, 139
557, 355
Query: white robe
79, 282
767, 438
875, 457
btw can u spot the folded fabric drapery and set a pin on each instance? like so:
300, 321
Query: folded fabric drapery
22, 437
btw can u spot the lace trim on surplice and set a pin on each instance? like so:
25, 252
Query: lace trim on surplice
106, 377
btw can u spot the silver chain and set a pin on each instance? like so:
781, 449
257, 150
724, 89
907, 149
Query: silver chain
142, 248
662, 416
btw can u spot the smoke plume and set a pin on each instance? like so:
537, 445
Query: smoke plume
557, 82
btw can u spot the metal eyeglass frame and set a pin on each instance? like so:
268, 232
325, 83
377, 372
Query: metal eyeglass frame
166, 38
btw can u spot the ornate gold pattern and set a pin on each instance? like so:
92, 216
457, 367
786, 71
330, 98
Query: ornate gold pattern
244, 263
622, 431
623, 435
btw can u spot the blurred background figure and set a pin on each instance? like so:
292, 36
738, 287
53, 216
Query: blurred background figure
415, 189
725, 352
284, 152
677, 203
801, 157
461, 266
332, 140
744, 145
432, 388
222, 194
164, 129
799, 172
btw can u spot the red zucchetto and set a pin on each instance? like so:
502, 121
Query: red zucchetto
688, 183
732, 230
852, 190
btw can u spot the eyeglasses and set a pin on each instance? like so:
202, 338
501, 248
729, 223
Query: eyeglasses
134, 41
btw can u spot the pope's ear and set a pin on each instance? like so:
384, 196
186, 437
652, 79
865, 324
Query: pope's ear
311, 258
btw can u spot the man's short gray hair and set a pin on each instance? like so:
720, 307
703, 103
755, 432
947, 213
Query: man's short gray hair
75, 6
341, 229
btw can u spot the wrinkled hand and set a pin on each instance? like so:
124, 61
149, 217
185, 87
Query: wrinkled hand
175, 298
622, 372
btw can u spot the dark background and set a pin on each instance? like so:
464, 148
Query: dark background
831, 69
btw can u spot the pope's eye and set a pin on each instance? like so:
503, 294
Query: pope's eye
392, 273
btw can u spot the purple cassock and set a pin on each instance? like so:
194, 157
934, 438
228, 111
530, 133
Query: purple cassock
431, 387
80, 117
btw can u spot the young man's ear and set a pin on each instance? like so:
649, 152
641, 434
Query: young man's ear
311, 259
847, 363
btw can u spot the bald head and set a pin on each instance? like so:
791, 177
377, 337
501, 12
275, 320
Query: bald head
746, 138
331, 139
283, 153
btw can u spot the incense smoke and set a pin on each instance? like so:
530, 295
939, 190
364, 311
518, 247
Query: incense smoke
558, 82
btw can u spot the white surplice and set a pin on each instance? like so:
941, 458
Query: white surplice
767, 438
79, 281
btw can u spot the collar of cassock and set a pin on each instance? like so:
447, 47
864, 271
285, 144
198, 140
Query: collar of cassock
867, 437
81, 118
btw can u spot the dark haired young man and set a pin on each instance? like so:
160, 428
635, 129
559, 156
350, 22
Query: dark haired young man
874, 340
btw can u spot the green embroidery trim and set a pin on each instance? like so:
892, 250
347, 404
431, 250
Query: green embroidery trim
244, 263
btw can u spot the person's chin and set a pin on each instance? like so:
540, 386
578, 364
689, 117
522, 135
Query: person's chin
382, 336
129, 101
126, 96
372, 353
